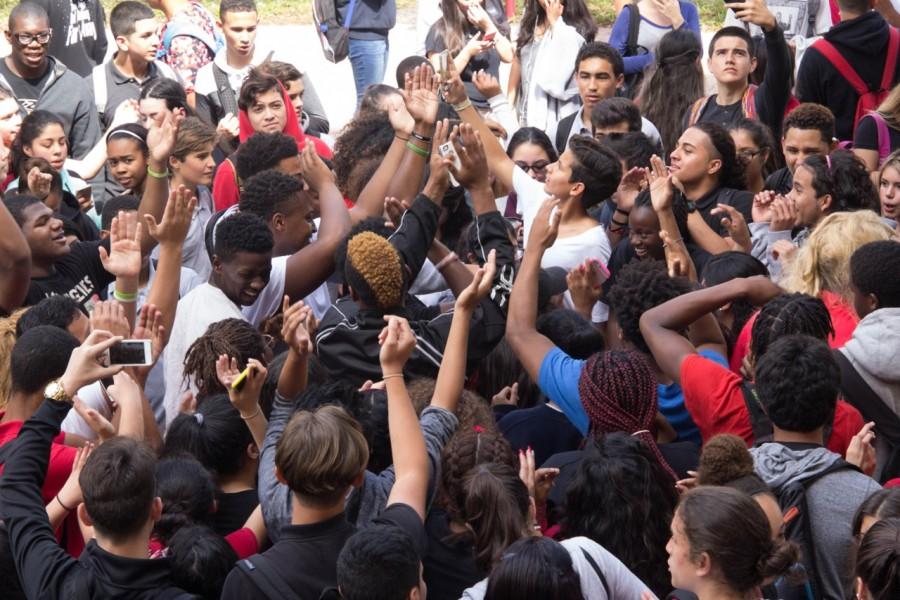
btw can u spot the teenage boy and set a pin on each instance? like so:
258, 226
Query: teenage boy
322, 457
118, 483
40, 81
863, 39
134, 63
302, 95
797, 384
219, 82
599, 72
731, 61
807, 130
869, 372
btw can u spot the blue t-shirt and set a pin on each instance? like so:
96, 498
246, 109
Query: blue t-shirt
558, 379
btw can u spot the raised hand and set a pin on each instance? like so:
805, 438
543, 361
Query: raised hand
298, 327
97, 422
161, 136
545, 226
314, 170
420, 94
84, 366
229, 126
861, 451
246, 399
149, 326
756, 12
554, 10
401, 120
481, 285
662, 188
397, 344
508, 396
585, 283
454, 89
124, 257
176, 219
476, 15
109, 315
439, 167
473, 171
486, 84
126, 112
762, 206
394, 209
70, 495
39, 183
733, 221
538, 481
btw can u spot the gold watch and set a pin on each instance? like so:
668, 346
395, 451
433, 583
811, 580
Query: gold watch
55, 391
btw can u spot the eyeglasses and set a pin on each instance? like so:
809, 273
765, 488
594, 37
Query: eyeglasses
537, 167
26, 39
748, 154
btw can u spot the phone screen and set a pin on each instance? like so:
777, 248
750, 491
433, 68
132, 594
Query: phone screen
130, 352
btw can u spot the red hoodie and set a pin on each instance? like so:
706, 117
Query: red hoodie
225, 190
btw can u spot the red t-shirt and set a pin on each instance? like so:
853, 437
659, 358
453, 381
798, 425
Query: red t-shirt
59, 468
713, 396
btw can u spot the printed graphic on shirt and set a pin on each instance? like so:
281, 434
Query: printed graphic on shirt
27, 104
81, 25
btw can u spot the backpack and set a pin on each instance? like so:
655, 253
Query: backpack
266, 578
334, 36
797, 522
632, 83
869, 99
215, 42
100, 81
748, 106
857, 392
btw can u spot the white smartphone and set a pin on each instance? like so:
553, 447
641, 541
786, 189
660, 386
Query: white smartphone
443, 66
130, 353
447, 150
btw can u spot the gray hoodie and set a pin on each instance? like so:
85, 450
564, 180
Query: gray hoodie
832, 502
67, 97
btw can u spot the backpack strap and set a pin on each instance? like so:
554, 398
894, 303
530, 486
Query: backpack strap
748, 102
98, 78
759, 420
562, 131
890, 62
697, 109
223, 88
266, 578
349, 16
634, 26
883, 135
858, 393
597, 570
840, 63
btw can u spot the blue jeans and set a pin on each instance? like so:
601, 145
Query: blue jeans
369, 61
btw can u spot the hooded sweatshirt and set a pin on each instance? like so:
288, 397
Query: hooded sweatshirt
874, 350
863, 43
832, 502
72, 102
226, 189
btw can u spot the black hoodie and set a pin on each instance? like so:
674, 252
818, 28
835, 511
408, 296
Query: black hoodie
863, 42
79, 33
45, 569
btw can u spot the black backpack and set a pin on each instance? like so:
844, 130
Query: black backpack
334, 35
632, 83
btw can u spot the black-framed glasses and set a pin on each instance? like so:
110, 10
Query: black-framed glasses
26, 39
537, 167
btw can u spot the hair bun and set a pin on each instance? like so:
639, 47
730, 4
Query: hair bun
724, 459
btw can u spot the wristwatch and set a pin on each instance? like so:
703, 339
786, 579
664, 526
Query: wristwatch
55, 391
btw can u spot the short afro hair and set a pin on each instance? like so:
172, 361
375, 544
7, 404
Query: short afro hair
810, 115
17, 204
263, 151
379, 557
875, 269
58, 311
640, 286
597, 167
789, 314
798, 382
574, 334
374, 270
269, 192
242, 232
40, 356
112, 207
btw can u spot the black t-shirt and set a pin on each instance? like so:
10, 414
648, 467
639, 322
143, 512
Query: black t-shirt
403, 516
780, 182
234, 510
545, 430
866, 137
27, 91
449, 566
487, 61
79, 275
723, 115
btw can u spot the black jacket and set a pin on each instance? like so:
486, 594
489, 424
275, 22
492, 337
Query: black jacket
863, 42
780, 182
45, 569
347, 342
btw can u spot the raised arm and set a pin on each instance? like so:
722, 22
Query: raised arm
662, 326
407, 442
529, 346
15, 262
161, 141
311, 265
498, 162
245, 398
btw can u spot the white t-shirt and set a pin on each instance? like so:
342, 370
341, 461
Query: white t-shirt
566, 252
203, 306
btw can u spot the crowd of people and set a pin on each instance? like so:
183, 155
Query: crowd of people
588, 333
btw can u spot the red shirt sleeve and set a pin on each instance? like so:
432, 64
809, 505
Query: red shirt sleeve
847, 423
225, 190
713, 396
243, 542
742, 345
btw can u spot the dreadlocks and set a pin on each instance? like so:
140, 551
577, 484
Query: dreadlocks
618, 392
234, 337
789, 314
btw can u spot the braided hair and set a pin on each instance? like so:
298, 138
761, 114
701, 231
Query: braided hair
618, 392
789, 314
234, 337
466, 449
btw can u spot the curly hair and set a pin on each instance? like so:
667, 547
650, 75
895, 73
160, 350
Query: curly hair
242, 232
845, 177
640, 286
263, 151
869, 267
810, 115
621, 498
618, 392
731, 174
789, 314
268, 192
597, 167
724, 458
234, 337
374, 270
368, 135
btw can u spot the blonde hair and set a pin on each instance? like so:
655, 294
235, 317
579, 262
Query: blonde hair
889, 109
893, 160
375, 267
823, 263
320, 454
7, 341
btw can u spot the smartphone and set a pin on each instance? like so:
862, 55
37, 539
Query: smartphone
130, 353
238, 383
444, 65
448, 151
602, 273
489, 36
